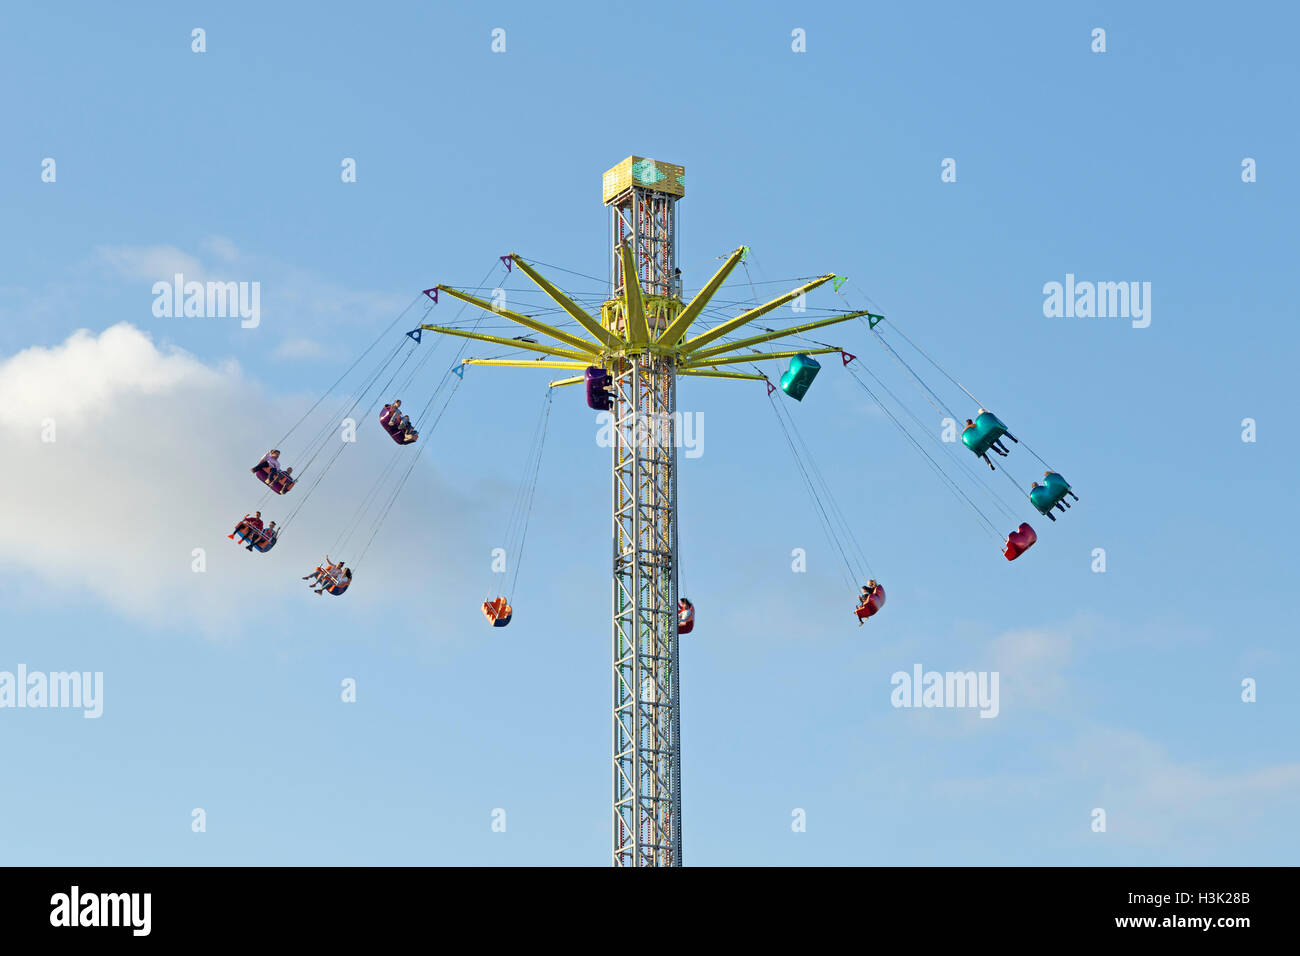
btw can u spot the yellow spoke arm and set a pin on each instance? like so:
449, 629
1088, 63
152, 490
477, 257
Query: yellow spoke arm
637, 332
576, 380
598, 332
526, 321
731, 325
703, 374
682, 323
524, 363
753, 357
779, 333
583, 357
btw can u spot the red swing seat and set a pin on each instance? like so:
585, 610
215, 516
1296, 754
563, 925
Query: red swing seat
498, 612
873, 603
1020, 541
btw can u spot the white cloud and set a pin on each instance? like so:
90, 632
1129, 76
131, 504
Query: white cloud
292, 299
79, 382
220, 247
1152, 798
1032, 665
150, 461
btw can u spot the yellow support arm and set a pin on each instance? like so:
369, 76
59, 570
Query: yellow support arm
583, 357
780, 333
699, 374
730, 325
521, 363
752, 357
688, 315
637, 332
526, 321
598, 331
576, 380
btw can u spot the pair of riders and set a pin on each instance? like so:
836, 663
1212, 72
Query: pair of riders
391, 417
685, 613
271, 462
870, 590
1055, 487
251, 526
329, 575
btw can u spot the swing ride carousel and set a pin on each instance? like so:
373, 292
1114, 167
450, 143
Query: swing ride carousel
626, 339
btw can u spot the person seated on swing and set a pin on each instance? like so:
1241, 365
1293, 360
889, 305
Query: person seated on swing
341, 579
1060, 504
271, 462
321, 570
997, 443
685, 612
247, 524
332, 577
391, 416
266, 537
864, 598
1060, 480
969, 425
409, 434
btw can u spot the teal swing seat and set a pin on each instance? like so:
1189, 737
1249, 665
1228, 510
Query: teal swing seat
799, 376
1050, 493
980, 436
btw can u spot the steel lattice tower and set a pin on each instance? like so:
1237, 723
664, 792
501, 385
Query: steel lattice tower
640, 339
647, 743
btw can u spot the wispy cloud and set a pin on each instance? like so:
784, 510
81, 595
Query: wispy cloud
149, 263
300, 348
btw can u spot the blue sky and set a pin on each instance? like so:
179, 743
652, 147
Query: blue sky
1119, 690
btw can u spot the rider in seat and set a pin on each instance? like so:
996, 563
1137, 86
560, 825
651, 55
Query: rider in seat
247, 524
870, 599
266, 537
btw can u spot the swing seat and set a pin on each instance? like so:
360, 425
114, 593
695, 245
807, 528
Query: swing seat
685, 618
873, 604
1020, 541
597, 383
1056, 483
258, 539
1047, 497
399, 435
337, 589
280, 484
395, 433
980, 436
498, 612
799, 376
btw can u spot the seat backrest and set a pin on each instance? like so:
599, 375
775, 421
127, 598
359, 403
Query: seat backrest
980, 436
1056, 483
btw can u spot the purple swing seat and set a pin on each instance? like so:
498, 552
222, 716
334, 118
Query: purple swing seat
597, 383
395, 433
